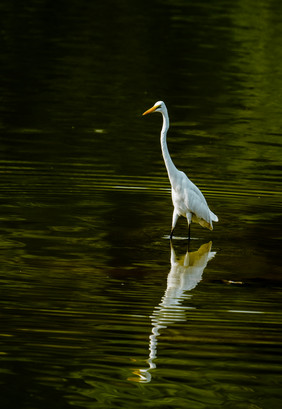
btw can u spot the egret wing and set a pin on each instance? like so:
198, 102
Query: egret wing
197, 204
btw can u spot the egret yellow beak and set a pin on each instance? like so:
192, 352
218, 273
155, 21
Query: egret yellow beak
150, 110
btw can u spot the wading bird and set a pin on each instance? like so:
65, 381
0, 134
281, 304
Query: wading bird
187, 199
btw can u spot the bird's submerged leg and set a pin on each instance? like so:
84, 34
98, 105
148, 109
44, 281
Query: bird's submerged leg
174, 221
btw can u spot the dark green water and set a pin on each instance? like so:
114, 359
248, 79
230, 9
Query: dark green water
97, 309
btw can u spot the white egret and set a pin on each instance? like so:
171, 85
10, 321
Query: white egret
187, 199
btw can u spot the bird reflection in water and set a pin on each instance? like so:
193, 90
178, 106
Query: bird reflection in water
184, 275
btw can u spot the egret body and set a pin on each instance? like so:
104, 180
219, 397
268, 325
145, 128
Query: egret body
187, 199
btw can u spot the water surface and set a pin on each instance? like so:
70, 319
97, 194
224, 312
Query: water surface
98, 308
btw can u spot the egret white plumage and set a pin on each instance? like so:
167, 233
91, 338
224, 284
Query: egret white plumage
187, 199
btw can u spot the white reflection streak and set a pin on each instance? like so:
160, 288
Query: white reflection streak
184, 275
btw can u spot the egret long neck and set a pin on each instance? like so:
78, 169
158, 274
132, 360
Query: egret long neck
170, 167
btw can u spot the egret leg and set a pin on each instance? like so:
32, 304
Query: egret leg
174, 221
189, 220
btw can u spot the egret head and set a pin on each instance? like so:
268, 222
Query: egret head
158, 107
